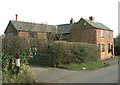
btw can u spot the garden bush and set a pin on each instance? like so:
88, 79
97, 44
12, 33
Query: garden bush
14, 44
9, 70
75, 52
10, 46
25, 76
59, 53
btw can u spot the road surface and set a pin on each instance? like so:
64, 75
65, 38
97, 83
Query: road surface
107, 74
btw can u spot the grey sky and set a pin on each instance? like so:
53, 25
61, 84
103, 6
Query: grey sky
56, 12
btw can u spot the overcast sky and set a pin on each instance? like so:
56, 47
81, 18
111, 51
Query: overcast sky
56, 12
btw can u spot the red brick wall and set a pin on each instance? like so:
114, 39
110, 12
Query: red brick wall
26, 35
23, 34
83, 33
105, 41
42, 36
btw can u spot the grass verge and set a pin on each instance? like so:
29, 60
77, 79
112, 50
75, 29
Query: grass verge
90, 66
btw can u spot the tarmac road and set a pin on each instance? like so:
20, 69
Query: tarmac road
107, 74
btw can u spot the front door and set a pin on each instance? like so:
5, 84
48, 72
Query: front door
112, 49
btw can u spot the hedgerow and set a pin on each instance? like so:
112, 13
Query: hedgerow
59, 53
50, 52
75, 52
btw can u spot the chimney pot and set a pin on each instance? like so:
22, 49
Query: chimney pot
91, 18
16, 17
72, 21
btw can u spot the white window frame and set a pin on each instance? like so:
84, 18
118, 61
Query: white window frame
108, 34
102, 33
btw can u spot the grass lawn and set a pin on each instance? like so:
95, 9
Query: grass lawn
90, 66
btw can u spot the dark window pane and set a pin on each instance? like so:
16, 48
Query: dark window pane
103, 48
108, 48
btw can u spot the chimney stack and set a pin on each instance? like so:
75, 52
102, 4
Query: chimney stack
16, 17
91, 18
72, 21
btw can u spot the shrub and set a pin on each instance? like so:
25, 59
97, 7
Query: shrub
10, 46
75, 52
61, 53
9, 70
13, 44
25, 76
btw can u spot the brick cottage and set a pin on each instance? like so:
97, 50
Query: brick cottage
86, 31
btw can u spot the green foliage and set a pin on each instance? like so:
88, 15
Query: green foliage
75, 52
13, 44
9, 70
25, 76
8, 62
61, 53
44, 53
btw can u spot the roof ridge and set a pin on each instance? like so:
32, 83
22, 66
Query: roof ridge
66, 24
30, 22
97, 24
26, 26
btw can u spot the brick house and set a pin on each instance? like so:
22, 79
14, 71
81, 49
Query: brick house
89, 31
29, 30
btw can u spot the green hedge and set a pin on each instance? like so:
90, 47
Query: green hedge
60, 53
51, 53
75, 52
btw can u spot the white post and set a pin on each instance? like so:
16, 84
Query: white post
17, 62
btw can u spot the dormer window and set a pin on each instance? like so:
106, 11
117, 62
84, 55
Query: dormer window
102, 33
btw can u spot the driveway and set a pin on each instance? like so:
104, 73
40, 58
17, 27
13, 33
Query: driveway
107, 74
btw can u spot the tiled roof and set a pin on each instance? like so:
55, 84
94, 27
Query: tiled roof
26, 26
97, 25
64, 28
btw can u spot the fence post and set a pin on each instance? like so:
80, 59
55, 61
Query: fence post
53, 55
